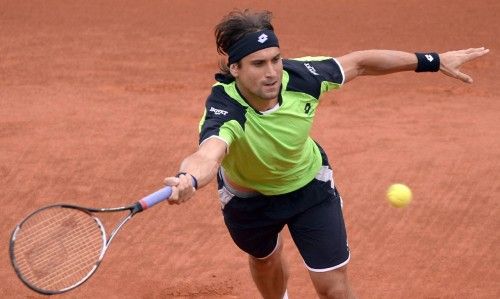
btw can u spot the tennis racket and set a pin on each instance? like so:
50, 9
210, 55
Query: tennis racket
58, 247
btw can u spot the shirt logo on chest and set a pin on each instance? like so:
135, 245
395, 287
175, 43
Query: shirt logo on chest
307, 108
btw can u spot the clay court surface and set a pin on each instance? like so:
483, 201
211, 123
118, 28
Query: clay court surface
100, 100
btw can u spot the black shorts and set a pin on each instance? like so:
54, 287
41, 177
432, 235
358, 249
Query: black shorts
312, 213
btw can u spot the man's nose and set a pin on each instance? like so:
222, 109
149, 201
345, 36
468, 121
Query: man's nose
270, 70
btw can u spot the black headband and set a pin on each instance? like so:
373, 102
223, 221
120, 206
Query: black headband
252, 42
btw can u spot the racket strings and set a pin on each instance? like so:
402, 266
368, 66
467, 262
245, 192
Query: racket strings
35, 231
70, 246
58, 247
54, 255
49, 240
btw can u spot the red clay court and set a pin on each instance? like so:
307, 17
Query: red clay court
100, 100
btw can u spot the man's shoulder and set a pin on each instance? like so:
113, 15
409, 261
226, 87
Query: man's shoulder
306, 65
307, 74
220, 104
303, 75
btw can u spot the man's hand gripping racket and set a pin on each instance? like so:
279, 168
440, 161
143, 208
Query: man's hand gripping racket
58, 247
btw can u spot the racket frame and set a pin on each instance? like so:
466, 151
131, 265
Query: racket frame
145, 203
106, 241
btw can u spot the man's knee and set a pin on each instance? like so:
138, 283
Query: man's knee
265, 263
269, 261
332, 284
334, 291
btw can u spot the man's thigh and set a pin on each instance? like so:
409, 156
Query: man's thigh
320, 234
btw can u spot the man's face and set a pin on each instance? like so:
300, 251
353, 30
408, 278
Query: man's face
259, 74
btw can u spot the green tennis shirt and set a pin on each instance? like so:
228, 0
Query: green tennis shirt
272, 152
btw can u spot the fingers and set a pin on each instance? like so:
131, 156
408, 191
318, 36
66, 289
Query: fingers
457, 74
464, 77
452, 61
182, 188
467, 51
476, 53
470, 50
462, 56
171, 181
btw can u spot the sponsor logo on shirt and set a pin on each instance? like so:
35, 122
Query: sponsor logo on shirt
218, 111
311, 69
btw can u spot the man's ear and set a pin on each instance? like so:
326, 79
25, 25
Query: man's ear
234, 70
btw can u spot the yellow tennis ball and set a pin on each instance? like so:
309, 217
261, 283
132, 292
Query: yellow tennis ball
399, 195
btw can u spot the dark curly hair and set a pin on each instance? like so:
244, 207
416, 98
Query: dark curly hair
234, 26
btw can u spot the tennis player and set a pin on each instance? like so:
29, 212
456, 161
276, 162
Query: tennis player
255, 138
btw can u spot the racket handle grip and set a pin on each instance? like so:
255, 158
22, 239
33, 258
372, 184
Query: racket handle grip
155, 197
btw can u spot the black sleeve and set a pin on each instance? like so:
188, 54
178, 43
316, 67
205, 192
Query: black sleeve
220, 109
308, 74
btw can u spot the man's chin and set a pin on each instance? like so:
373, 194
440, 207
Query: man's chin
270, 95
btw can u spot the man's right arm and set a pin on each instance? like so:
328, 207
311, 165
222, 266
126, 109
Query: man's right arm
202, 165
